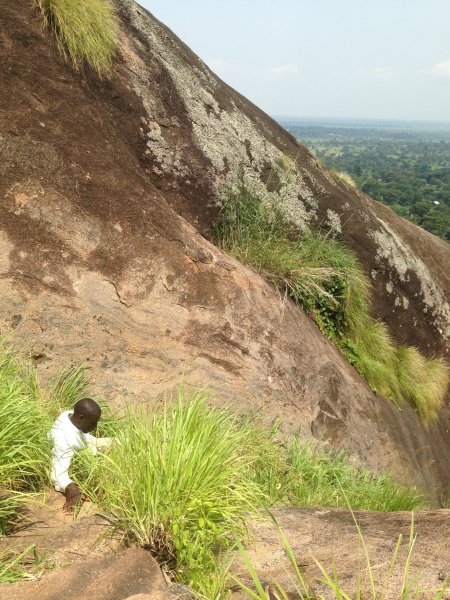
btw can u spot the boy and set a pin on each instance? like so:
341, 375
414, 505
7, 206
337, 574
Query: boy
70, 432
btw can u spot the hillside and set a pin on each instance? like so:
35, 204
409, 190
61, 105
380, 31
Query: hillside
110, 188
405, 166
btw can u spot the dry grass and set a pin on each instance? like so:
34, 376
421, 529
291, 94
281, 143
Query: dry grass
345, 177
85, 31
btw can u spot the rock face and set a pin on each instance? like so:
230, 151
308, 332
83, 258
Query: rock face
330, 536
228, 135
115, 577
109, 188
80, 559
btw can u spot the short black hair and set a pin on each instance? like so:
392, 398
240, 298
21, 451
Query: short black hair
87, 406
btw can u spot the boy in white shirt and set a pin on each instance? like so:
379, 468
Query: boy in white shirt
70, 432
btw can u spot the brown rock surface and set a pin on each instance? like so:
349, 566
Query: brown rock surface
59, 537
330, 536
107, 187
81, 559
113, 577
217, 133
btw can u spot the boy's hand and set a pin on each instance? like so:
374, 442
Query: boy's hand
103, 443
74, 497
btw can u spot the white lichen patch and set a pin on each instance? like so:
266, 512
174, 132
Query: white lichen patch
389, 287
227, 137
47, 206
5, 249
403, 261
334, 221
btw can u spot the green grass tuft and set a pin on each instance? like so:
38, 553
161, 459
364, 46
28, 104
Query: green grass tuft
373, 354
320, 478
421, 380
85, 31
24, 454
12, 567
182, 481
27, 412
325, 278
186, 492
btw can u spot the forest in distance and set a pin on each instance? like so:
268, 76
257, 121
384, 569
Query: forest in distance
405, 165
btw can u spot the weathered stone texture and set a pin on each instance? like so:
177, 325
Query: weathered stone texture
108, 189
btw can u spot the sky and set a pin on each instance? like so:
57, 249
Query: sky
384, 59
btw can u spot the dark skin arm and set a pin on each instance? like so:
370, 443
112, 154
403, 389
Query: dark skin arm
74, 497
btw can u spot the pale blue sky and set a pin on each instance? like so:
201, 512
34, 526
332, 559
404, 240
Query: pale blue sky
343, 58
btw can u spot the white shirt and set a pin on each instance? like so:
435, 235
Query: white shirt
67, 439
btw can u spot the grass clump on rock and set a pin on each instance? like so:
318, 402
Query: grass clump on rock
181, 481
319, 273
27, 412
320, 478
24, 447
345, 177
295, 473
185, 480
178, 482
325, 278
85, 31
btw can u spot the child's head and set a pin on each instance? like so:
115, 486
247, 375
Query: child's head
86, 414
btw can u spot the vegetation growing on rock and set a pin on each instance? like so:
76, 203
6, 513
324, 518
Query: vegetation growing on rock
326, 280
27, 412
199, 473
396, 580
85, 31
345, 177
181, 481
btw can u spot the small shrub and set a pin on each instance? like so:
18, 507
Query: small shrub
85, 30
177, 482
345, 177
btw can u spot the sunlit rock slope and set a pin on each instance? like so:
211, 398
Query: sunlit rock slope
109, 189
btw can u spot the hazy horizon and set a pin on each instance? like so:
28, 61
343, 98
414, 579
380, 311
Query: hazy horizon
422, 124
383, 61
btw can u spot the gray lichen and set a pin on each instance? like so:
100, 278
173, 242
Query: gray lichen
403, 261
228, 138
235, 143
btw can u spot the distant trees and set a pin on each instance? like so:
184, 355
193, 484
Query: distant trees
407, 169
